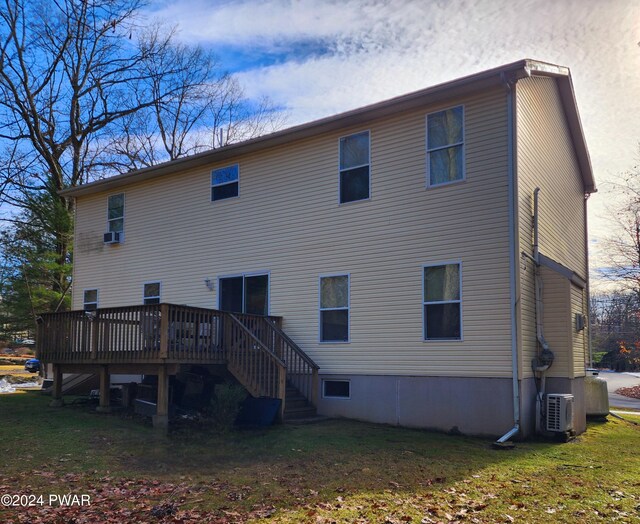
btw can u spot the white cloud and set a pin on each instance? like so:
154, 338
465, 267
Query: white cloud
378, 49
263, 23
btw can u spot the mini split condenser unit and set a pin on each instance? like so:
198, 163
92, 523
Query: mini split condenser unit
559, 412
112, 237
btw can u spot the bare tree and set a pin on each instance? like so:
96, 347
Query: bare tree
206, 110
622, 249
75, 77
69, 69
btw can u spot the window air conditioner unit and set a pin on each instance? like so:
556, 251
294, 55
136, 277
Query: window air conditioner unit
559, 412
112, 237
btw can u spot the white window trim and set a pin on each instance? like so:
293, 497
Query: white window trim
459, 301
124, 212
245, 275
340, 170
159, 296
429, 185
97, 302
212, 185
335, 380
321, 309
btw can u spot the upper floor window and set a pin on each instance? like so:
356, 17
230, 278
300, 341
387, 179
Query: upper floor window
116, 213
442, 302
151, 293
225, 182
90, 299
354, 167
445, 146
334, 308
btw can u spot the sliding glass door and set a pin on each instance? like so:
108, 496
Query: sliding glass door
245, 294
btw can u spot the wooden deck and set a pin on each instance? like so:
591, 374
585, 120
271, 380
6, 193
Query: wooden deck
156, 339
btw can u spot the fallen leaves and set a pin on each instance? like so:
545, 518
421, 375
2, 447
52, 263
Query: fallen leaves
632, 392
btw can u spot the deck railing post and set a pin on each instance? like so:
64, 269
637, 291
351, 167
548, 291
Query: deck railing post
164, 330
282, 390
314, 387
227, 337
94, 336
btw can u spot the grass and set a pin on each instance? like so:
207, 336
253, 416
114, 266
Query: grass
11, 369
336, 471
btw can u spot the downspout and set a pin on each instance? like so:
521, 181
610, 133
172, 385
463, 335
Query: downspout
544, 359
588, 289
513, 259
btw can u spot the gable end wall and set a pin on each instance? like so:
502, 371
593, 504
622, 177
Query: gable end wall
546, 159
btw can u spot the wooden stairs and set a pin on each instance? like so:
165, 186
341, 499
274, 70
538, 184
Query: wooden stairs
297, 406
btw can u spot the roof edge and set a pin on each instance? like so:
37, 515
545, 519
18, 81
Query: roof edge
450, 89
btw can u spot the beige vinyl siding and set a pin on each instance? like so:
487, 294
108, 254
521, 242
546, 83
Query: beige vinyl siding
288, 221
557, 321
578, 338
546, 159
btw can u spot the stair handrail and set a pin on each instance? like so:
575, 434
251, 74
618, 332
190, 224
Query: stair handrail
301, 370
257, 341
298, 350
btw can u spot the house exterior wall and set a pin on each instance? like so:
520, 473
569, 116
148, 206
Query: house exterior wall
579, 341
287, 221
556, 298
546, 159
477, 406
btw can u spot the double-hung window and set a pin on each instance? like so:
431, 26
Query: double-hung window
354, 167
90, 300
334, 308
225, 182
442, 302
115, 215
151, 293
445, 146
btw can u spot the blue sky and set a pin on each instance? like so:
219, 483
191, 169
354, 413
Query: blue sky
318, 58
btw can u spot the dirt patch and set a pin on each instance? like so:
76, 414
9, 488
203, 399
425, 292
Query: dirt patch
633, 392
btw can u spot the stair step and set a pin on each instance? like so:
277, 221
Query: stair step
299, 402
299, 412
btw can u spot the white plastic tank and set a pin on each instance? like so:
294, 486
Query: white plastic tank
596, 394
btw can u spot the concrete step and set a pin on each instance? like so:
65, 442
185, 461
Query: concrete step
296, 402
299, 412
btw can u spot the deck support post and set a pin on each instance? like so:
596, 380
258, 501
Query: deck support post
57, 400
282, 392
105, 391
161, 419
315, 387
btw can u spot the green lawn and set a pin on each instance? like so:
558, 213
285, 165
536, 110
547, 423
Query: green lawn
335, 471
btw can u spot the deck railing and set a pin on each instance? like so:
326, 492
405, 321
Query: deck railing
157, 333
302, 372
255, 349
252, 362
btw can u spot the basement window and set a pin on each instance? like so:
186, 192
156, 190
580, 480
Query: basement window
336, 389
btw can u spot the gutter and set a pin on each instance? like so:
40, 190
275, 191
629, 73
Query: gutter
513, 259
363, 116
